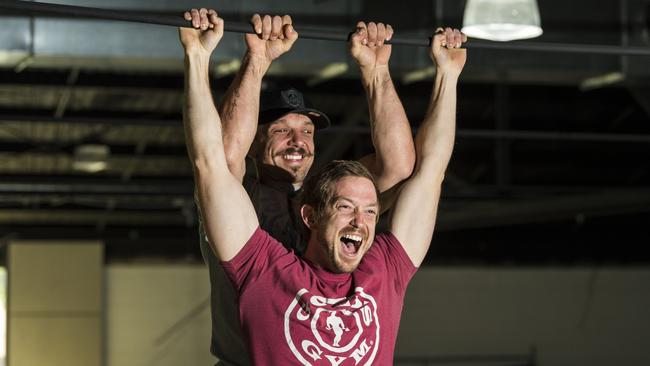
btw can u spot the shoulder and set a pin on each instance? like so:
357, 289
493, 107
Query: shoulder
387, 248
386, 241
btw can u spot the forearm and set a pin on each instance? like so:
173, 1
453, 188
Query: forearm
417, 204
416, 208
391, 132
240, 110
201, 120
434, 141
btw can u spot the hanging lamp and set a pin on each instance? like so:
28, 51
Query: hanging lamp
502, 20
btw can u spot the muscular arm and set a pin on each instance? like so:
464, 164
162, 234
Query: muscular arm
415, 211
240, 108
239, 112
228, 213
394, 155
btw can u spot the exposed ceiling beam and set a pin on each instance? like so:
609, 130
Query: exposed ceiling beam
96, 186
496, 213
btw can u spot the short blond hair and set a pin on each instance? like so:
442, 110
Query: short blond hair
318, 189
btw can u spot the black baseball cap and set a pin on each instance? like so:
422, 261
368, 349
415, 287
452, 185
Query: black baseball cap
276, 103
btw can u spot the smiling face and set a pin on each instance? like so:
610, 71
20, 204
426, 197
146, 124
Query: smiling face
345, 230
288, 143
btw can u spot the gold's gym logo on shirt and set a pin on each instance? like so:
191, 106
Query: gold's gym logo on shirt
332, 332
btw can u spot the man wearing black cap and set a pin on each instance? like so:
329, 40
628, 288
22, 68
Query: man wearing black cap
279, 137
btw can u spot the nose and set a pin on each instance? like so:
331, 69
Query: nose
295, 139
357, 219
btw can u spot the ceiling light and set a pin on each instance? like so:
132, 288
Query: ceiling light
502, 20
328, 72
226, 68
419, 75
91, 158
602, 81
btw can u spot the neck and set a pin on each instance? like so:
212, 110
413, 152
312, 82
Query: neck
313, 252
270, 172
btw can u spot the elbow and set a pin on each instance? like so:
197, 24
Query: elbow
431, 171
391, 178
205, 165
202, 167
402, 169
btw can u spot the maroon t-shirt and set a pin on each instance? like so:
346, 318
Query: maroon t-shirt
293, 313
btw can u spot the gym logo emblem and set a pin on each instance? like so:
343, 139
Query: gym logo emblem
293, 98
332, 332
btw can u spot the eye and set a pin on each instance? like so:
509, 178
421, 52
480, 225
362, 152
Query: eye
281, 131
308, 132
371, 212
344, 208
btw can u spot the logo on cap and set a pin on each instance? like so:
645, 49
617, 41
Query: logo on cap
292, 97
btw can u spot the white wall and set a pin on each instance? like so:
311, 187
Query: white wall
572, 316
55, 303
158, 315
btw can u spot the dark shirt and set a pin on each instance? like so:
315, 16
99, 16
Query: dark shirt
278, 210
277, 206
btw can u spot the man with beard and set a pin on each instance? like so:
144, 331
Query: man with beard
278, 136
284, 299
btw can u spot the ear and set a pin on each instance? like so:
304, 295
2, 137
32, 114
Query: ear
308, 216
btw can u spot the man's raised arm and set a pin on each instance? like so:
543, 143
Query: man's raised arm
394, 155
228, 213
415, 211
274, 35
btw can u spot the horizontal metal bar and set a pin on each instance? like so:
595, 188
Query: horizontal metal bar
96, 186
596, 49
495, 213
92, 120
91, 217
462, 133
555, 136
114, 201
518, 135
151, 151
38, 8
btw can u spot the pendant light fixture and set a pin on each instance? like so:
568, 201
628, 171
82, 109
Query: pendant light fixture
502, 20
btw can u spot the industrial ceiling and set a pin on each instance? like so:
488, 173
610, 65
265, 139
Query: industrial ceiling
551, 164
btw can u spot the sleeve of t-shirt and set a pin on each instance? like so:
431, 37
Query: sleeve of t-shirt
389, 250
258, 255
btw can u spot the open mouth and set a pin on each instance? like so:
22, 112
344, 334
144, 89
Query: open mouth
350, 244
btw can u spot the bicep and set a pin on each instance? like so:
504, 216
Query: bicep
414, 215
228, 214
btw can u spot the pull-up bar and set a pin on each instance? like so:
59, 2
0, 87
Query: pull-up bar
37, 8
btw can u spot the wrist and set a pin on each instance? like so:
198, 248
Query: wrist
197, 53
256, 63
375, 74
447, 76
